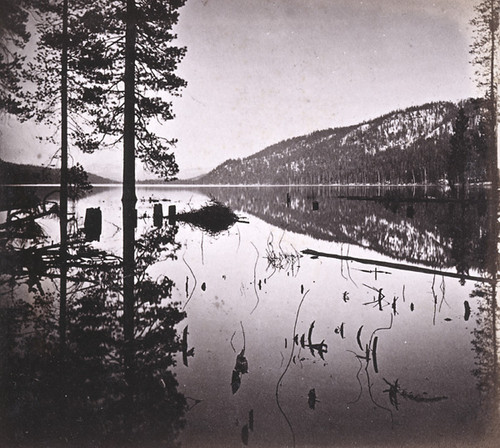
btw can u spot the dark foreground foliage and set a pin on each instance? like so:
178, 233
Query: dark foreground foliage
88, 393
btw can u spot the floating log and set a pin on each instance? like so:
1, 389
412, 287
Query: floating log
400, 266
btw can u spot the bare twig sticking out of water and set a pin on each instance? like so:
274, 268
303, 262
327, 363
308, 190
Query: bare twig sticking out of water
195, 402
376, 300
358, 338
278, 384
239, 238
241, 366
279, 242
442, 287
270, 257
244, 338
370, 348
381, 328
435, 300
280, 260
373, 343
395, 390
202, 252
297, 254
195, 281
374, 354
349, 269
234, 334
255, 278
357, 377
373, 399
342, 262
394, 305
231, 341
118, 228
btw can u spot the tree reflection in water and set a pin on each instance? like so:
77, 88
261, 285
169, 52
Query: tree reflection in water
417, 225
79, 394
82, 396
485, 333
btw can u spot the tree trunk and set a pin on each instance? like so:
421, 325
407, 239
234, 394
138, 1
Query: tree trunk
129, 198
493, 162
63, 194
493, 265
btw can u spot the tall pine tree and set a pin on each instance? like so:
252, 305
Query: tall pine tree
13, 38
120, 76
484, 50
128, 45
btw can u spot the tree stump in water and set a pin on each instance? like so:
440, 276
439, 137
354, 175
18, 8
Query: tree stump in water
93, 224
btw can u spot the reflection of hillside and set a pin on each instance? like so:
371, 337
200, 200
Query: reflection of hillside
436, 233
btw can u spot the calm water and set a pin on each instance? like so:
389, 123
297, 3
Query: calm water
299, 350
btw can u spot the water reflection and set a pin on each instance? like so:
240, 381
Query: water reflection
86, 391
240, 338
416, 225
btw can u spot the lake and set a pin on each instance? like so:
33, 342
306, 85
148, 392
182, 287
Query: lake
381, 334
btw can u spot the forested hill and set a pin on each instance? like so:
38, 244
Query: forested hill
401, 147
14, 173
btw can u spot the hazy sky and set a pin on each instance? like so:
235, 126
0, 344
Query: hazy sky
260, 71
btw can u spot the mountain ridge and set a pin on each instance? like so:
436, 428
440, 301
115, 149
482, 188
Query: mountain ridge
16, 173
403, 146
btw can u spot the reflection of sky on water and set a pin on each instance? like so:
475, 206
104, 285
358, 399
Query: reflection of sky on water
428, 348
414, 351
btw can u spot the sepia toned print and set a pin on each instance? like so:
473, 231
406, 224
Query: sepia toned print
257, 223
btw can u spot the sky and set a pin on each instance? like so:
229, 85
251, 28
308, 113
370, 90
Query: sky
260, 71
